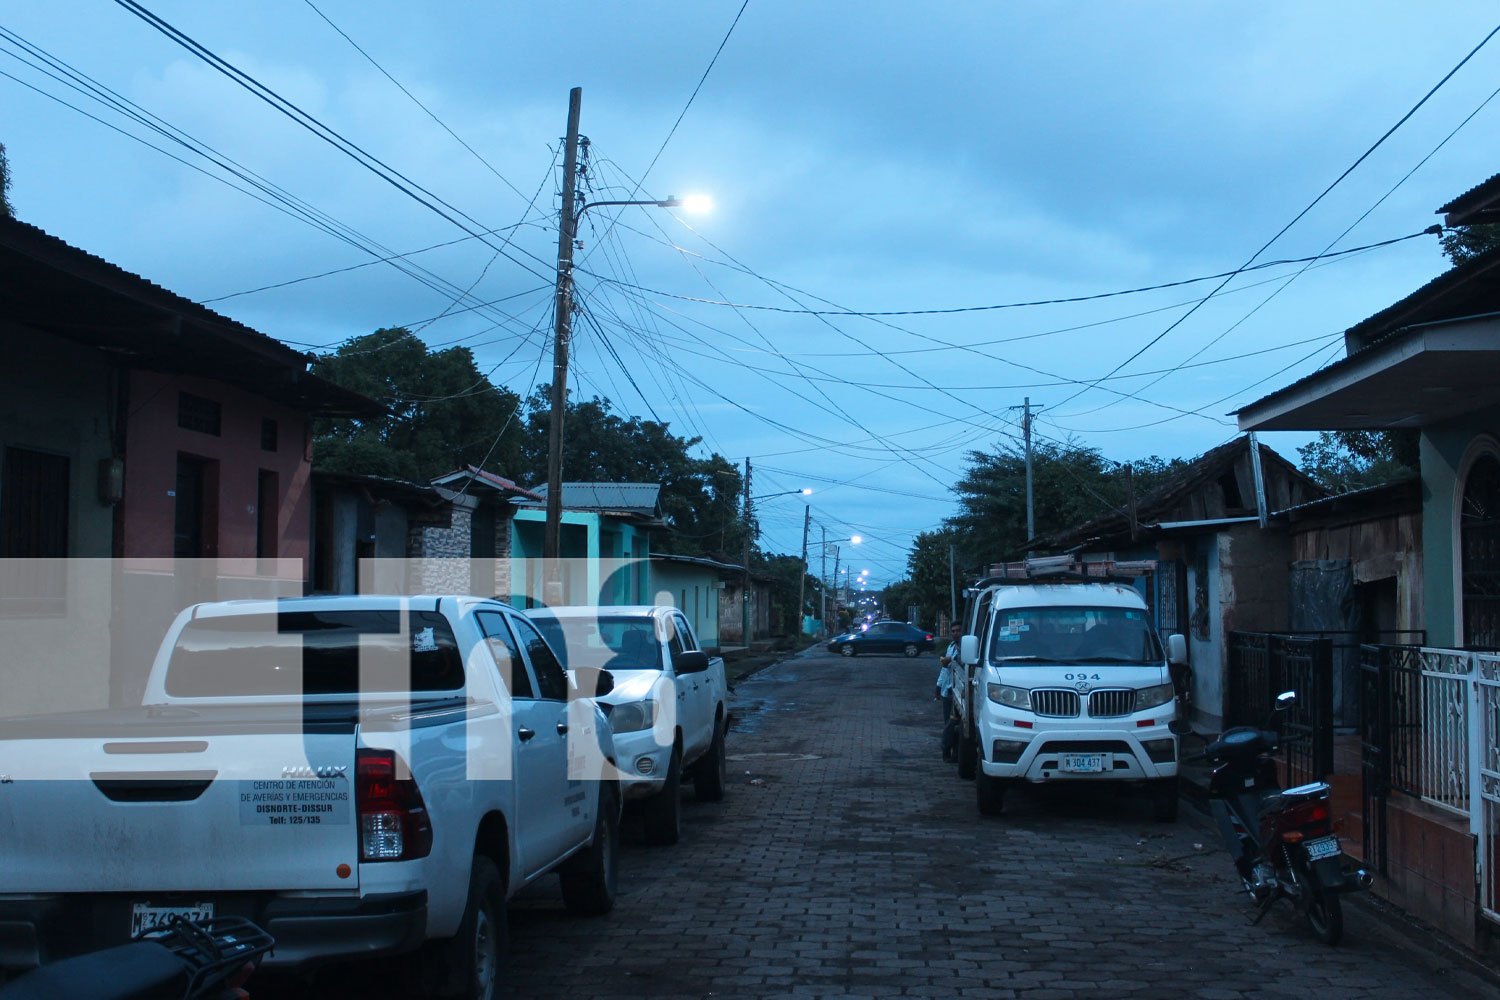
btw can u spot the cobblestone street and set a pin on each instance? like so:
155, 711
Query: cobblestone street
849, 861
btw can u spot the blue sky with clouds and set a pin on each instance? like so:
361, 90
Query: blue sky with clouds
876, 156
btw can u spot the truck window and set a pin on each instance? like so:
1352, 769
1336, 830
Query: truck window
313, 652
614, 642
1093, 635
551, 680
502, 646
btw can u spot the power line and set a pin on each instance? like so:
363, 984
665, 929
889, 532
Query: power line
375, 165
430, 113
953, 310
1298, 217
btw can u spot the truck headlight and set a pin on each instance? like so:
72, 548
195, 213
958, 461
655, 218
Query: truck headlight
1153, 696
1010, 697
633, 716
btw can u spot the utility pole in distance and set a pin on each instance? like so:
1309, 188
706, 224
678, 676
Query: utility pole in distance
749, 529
823, 581
1030, 509
562, 329
802, 581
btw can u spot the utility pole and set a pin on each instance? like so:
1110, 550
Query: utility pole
836, 555
823, 580
749, 530
562, 329
1130, 492
952, 589
802, 580
1030, 509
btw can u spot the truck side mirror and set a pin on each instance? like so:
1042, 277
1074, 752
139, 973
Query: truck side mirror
1177, 651
690, 661
968, 649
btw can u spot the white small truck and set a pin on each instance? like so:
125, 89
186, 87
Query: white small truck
668, 707
359, 775
1062, 679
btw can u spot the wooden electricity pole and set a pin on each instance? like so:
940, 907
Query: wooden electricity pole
802, 581
562, 329
749, 530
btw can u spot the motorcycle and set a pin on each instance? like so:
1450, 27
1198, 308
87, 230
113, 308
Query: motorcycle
1281, 840
180, 960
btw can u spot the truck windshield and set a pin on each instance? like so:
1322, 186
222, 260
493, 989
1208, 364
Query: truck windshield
1102, 636
314, 652
614, 642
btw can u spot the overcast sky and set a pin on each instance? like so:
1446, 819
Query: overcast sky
872, 156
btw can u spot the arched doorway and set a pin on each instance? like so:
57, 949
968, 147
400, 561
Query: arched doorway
1479, 538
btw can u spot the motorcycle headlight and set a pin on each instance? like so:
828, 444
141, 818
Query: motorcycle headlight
1153, 696
633, 716
1010, 697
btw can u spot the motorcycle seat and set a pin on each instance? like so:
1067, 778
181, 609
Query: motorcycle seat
1288, 797
139, 971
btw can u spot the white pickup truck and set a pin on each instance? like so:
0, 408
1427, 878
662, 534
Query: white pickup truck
667, 708
359, 775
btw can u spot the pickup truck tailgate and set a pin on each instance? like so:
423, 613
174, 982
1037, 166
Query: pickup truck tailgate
221, 803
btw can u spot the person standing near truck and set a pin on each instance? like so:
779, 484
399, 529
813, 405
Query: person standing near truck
943, 691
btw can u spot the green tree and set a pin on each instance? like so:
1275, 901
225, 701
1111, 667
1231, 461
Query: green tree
1463, 243
6, 209
699, 497
1071, 484
1341, 461
444, 413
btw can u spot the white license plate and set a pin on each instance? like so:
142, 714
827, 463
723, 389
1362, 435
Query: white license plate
144, 917
1082, 763
1323, 847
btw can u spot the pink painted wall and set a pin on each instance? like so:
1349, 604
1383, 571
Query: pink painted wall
153, 441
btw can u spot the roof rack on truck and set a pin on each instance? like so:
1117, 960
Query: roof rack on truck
1066, 569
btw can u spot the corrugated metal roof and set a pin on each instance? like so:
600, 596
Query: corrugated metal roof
1478, 196
50, 285
489, 479
631, 498
1468, 290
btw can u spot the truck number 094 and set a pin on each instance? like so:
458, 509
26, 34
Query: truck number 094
1081, 677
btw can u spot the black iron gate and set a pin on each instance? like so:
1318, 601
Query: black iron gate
1374, 752
1264, 664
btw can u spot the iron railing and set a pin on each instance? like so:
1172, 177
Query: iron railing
1264, 664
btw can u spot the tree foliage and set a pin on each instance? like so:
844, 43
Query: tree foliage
1341, 461
699, 496
1463, 243
6, 209
444, 413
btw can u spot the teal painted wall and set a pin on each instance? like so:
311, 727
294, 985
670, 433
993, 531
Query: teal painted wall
1444, 448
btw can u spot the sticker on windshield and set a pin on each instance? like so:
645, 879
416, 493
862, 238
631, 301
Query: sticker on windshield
1008, 636
423, 641
1134, 616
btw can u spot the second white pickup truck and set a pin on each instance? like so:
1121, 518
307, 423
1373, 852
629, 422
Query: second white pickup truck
668, 707
359, 775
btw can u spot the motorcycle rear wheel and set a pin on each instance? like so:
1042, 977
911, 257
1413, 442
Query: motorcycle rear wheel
1325, 915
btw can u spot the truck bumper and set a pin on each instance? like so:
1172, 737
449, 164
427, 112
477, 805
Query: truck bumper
1123, 754
309, 930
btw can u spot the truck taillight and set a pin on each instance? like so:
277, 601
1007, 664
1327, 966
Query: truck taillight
393, 820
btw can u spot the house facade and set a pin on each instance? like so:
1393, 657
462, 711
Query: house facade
1430, 815
154, 453
605, 544
1219, 564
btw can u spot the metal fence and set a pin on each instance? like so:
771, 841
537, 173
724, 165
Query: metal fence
1264, 664
1431, 729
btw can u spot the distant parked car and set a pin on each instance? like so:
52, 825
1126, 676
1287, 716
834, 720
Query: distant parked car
883, 637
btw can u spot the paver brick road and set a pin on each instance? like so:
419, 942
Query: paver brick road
849, 861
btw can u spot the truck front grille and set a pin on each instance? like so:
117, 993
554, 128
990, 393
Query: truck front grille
1112, 704
1058, 703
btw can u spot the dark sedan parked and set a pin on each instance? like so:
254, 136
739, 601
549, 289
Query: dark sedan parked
883, 637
